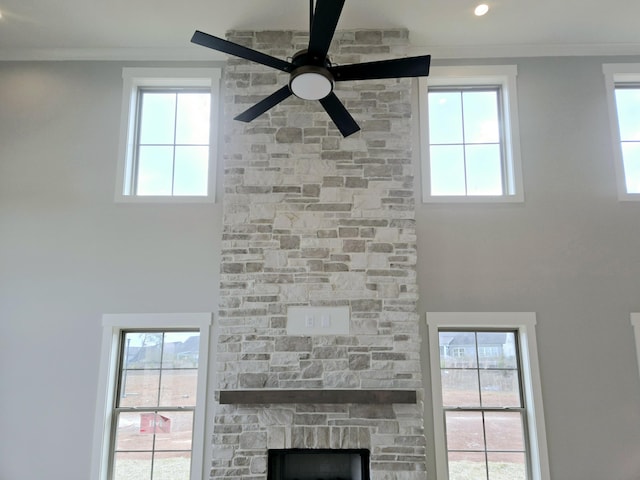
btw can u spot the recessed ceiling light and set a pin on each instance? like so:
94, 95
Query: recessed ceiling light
481, 9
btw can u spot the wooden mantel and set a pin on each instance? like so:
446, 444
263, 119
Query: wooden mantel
317, 396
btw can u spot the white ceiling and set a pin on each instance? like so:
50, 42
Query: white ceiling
34, 29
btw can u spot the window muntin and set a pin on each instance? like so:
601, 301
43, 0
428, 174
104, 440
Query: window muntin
155, 402
470, 154
483, 405
465, 141
168, 138
627, 96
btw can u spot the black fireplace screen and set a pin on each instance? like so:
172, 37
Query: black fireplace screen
318, 464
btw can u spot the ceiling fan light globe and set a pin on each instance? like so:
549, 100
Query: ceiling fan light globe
311, 83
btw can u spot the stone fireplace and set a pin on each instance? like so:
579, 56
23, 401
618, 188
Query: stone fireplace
312, 219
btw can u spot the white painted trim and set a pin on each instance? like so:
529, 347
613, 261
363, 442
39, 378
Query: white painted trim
619, 73
112, 325
525, 323
635, 321
503, 75
133, 78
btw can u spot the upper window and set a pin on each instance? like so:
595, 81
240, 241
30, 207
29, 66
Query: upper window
154, 398
487, 403
168, 135
470, 141
623, 89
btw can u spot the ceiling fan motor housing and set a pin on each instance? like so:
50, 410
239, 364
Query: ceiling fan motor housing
311, 79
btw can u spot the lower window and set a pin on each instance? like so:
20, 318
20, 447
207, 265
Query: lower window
486, 426
150, 419
155, 403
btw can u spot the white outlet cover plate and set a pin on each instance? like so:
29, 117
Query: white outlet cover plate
338, 320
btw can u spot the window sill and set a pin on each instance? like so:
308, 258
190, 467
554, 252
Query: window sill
475, 199
164, 199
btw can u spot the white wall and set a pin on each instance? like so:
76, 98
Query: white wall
68, 253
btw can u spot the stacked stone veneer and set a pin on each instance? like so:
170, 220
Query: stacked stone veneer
311, 218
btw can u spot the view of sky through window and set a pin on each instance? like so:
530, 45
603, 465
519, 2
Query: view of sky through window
173, 143
465, 142
628, 107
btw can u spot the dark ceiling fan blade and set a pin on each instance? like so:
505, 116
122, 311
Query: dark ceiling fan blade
339, 114
236, 50
264, 105
325, 20
395, 68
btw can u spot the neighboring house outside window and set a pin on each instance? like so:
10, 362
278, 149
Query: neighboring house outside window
168, 135
469, 134
623, 96
488, 417
150, 413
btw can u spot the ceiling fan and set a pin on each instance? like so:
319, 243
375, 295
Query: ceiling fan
312, 76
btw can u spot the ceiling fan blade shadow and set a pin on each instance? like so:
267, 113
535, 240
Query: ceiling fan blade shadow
339, 114
395, 68
325, 20
240, 51
264, 105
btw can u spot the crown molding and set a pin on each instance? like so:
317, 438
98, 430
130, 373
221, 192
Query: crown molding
439, 52
110, 54
444, 52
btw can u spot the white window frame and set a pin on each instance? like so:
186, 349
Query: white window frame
133, 80
617, 73
522, 322
635, 321
113, 325
459, 76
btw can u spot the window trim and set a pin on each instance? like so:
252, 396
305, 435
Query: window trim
133, 80
616, 73
503, 76
635, 321
522, 322
113, 325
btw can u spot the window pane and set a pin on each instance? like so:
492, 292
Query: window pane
178, 388
171, 466
504, 431
139, 388
157, 118
132, 466
174, 430
464, 431
460, 388
481, 117
460, 351
445, 118
192, 127
467, 466
497, 350
190, 176
507, 466
181, 350
142, 350
447, 170
628, 106
484, 170
631, 160
155, 170
129, 435
500, 388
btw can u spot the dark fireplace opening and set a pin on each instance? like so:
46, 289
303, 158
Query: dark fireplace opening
318, 464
